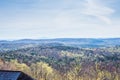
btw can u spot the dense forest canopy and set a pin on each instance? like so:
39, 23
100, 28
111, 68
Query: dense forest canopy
63, 59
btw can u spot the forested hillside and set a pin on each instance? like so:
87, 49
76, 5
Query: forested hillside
58, 61
75, 42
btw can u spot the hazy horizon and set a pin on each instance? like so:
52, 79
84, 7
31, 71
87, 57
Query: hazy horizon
59, 38
35, 19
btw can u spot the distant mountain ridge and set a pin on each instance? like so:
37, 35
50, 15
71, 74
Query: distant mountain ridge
75, 42
89, 41
64, 39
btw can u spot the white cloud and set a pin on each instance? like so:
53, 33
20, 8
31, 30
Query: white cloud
98, 10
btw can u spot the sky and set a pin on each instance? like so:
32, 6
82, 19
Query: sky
36, 19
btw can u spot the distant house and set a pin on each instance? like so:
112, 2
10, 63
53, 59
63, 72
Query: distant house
13, 75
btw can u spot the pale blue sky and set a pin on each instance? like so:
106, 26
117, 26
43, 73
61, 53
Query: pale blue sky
59, 18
